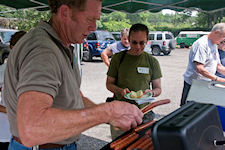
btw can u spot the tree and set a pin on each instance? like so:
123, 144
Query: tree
24, 19
209, 19
115, 21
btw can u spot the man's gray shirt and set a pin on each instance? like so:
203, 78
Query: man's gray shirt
205, 52
40, 62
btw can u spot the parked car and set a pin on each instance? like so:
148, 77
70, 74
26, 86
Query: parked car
148, 48
116, 35
5, 35
95, 43
187, 38
162, 42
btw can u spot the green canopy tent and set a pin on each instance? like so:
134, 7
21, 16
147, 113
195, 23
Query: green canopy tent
132, 6
136, 6
23, 4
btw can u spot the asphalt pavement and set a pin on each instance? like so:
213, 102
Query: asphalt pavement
93, 86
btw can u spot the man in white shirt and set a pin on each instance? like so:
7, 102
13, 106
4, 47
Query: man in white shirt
204, 59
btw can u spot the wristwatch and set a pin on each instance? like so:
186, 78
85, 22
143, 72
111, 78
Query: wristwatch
215, 79
153, 93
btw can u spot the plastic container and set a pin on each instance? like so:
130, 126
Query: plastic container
221, 111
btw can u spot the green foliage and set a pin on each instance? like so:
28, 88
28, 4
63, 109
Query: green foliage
25, 19
31, 18
113, 25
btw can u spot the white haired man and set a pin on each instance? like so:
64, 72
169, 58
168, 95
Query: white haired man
204, 59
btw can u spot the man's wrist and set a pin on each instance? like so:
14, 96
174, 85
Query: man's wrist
153, 93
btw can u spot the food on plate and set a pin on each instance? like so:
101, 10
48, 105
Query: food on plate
133, 94
137, 94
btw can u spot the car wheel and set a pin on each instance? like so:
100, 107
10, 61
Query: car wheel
156, 51
182, 45
87, 54
167, 52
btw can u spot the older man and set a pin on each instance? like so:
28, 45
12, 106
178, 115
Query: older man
42, 83
204, 59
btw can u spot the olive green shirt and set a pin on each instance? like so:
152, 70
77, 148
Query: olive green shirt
40, 62
127, 72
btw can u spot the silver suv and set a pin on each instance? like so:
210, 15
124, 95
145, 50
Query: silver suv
161, 41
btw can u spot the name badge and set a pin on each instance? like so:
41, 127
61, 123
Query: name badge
143, 70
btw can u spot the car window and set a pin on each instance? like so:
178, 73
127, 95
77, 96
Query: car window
6, 35
116, 36
105, 36
183, 35
192, 35
151, 36
92, 36
168, 36
159, 36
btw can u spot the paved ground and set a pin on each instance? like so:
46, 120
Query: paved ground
93, 86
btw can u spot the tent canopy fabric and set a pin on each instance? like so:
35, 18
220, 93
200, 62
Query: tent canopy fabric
131, 6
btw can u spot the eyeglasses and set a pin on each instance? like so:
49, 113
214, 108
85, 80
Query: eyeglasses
223, 42
142, 43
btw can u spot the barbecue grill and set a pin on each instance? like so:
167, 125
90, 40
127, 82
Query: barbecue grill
194, 126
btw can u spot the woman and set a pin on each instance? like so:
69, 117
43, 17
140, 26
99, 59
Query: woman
221, 49
134, 70
221, 110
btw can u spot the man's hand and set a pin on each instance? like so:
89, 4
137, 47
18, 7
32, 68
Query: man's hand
124, 91
124, 115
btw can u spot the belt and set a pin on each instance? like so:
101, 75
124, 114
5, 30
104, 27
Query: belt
43, 146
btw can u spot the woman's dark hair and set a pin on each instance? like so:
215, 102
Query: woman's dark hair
139, 27
15, 37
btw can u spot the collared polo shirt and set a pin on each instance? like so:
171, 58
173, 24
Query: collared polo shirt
40, 62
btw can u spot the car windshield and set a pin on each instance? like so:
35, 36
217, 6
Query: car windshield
6, 35
104, 35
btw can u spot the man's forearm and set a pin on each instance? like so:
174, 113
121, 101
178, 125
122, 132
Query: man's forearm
105, 59
113, 88
52, 125
105, 55
156, 91
201, 69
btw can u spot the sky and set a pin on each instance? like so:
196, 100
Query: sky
168, 11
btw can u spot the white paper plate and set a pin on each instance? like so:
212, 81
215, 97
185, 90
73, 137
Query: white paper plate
147, 96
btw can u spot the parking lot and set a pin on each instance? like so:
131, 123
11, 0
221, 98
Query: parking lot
93, 86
